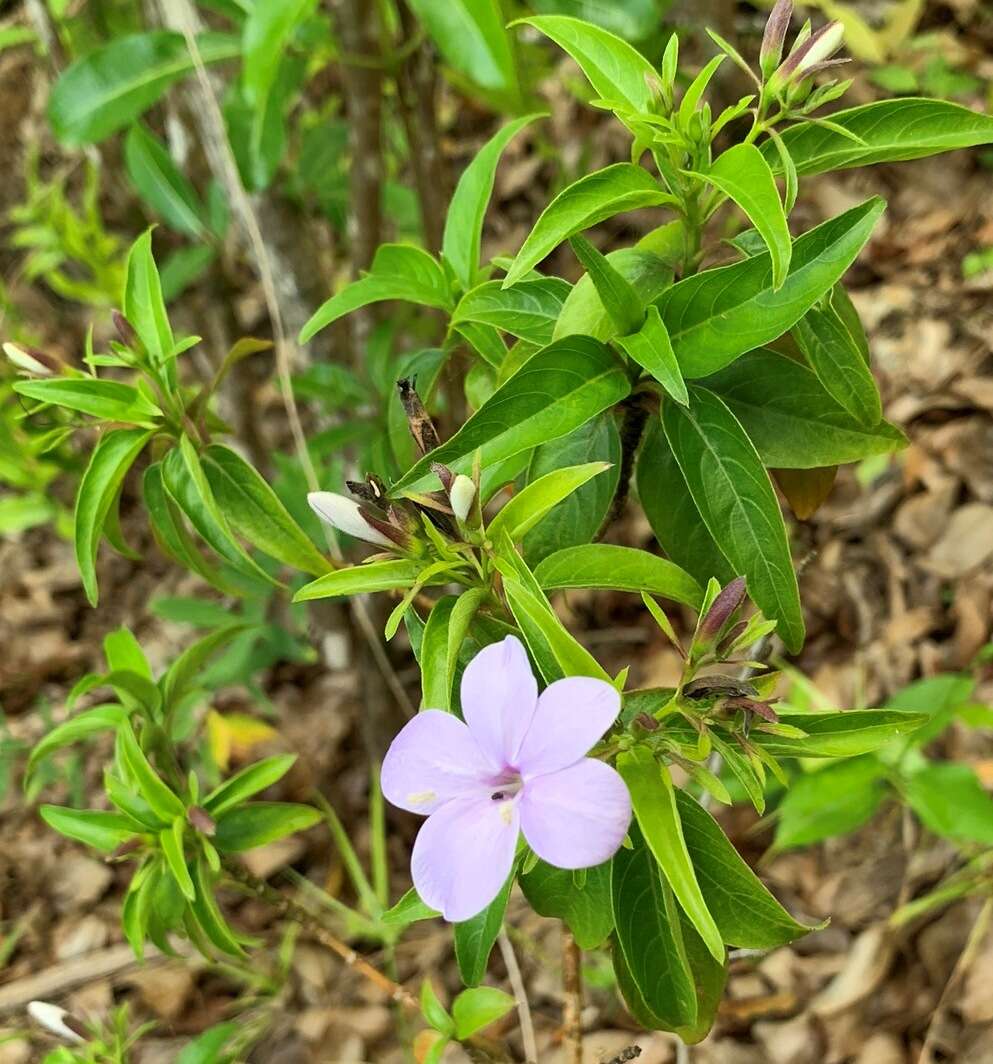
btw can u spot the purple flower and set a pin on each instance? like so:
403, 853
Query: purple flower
517, 764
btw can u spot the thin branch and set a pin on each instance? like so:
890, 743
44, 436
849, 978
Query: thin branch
572, 1006
520, 996
231, 180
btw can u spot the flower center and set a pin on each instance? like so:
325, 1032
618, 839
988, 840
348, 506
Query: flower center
507, 789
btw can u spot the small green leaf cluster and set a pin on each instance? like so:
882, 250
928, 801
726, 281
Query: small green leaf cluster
473, 1009
177, 837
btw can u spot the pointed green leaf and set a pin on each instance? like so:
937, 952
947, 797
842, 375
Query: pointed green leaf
652, 349
249, 781
584, 906
532, 503
616, 293
93, 827
161, 184
144, 306
527, 310
591, 199
474, 938
360, 579
258, 823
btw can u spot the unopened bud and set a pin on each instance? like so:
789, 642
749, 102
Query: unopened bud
345, 515
125, 330
384, 523
774, 36
200, 820
809, 57
646, 723
752, 705
31, 360
57, 1021
461, 494
721, 609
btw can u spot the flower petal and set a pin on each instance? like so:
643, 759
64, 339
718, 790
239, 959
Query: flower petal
572, 715
433, 759
463, 855
576, 818
499, 693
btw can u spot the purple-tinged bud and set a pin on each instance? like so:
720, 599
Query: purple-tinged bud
810, 55
125, 330
444, 474
375, 519
775, 36
734, 633
57, 1021
721, 609
646, 722
200, 820
752, 705
461, 495
31, 360
345, 515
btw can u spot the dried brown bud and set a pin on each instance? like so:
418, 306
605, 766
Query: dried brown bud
421, 426
444, 474
376, 519
644, 721
751, 705
722, 608
200, 820
125, 330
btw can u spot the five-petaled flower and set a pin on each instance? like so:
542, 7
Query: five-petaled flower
516, 765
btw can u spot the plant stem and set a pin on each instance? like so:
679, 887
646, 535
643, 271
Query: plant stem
572, 1005
520, 996
633, 419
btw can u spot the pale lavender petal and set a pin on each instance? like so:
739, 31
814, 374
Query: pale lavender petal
572, 715
463, 855
578, 817
432, 759
499, 693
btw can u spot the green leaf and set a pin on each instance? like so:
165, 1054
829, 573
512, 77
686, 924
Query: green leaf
408, 910
716, 315
743, 175
553, 393
835, 357
555, 649
604, 565
93, 827
532, 503
591, 199
848, 734
123, 651
171, 842
111, 459
527, 310
360, 579
577, 518
445, 632
250, 780
584, 906
179, 679
617, 295
738, 504
159, 182
831, 801
951, 802
651, 349
583, 311
650, 960
653, 798
464, 221
434, 1012
161, 800
399, 271
616, 71
110, 87
471, 37
259, 823
206, 1048
791, 419
474, 938
91, 722
890, 131
256, 512
265, 36
187, 483
746, 913
940, 698
477, 1008
107, 400
144, 306
672, 513
207, 913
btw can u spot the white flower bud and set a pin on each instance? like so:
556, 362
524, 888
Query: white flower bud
343, 514
461, 495
29, 360
53, 1019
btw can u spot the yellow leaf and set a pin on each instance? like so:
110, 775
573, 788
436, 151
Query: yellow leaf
233, 735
